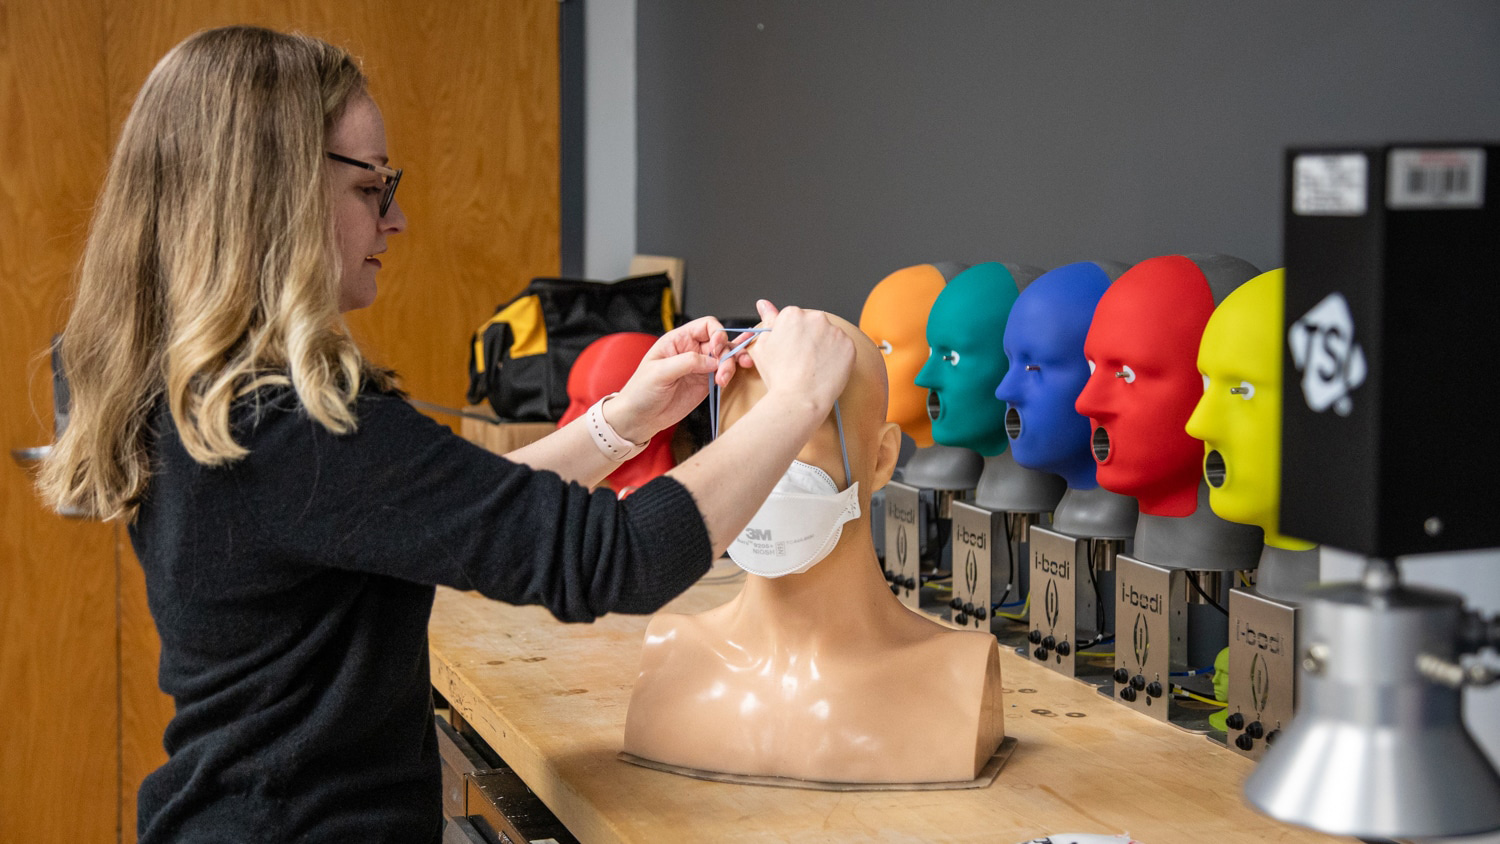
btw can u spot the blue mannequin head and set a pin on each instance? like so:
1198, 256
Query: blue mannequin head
1044, 343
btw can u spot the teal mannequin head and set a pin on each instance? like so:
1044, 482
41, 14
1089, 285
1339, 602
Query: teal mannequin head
965, 331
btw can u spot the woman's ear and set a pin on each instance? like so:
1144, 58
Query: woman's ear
890, 452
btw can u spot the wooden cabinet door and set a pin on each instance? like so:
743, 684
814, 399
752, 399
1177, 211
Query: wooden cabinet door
59, 702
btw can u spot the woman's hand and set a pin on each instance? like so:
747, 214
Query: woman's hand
671, 380
802, 355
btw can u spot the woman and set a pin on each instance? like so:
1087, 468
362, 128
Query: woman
291, 511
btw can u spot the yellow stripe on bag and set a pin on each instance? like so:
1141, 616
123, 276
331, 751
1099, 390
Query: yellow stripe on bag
668, 309
525, 318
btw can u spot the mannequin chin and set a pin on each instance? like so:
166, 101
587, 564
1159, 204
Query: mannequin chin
1238, 417
820, 675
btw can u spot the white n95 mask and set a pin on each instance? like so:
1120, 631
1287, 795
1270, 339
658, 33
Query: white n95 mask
798, 525
802, 519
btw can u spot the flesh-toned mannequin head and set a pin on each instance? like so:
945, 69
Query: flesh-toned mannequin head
1044, 338
873, 443
602, 368
1143, 347
895, 318
1239, 415
967, 359
818, 675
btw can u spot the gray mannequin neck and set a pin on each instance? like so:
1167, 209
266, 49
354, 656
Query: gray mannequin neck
1201, 541
1096, 513
943, 467
1007, 485
1286, 575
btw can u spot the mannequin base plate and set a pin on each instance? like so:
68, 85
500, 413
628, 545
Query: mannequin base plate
986, 776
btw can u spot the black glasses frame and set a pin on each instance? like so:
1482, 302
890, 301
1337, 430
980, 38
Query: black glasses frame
391, 177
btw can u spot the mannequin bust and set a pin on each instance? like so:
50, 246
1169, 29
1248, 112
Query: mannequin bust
1044, 338
602, 368
1239, 420
1143, 348
895, 318
821, 676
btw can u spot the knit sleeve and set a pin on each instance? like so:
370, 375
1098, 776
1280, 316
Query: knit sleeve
403, 496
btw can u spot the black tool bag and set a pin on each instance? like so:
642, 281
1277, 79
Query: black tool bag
519, 359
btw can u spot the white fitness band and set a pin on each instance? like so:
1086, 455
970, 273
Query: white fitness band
615, 447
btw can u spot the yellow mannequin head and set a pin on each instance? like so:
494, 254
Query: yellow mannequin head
1239, 416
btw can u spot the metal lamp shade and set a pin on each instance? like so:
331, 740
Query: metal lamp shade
1377, 750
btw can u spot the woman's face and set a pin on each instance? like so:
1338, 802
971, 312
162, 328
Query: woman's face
360, 230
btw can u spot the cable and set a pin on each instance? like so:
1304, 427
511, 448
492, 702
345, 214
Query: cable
1193, 579
1020, 616
1098, 594
1193, 672
1181, 692
1244, 579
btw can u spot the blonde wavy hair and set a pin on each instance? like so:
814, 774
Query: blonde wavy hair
211, 267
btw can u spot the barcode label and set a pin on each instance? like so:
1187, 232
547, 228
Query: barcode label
1329, 184
1436, 178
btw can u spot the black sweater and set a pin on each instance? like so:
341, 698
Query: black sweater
292, 591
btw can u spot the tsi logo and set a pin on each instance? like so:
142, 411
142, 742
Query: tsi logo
1324, 351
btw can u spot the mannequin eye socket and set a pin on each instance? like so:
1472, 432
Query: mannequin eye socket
1205, 383
1126, 373
1245, 390
1031, 367
952, 358
1091, 367
885, 347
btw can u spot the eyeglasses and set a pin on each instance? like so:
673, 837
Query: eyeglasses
389, 177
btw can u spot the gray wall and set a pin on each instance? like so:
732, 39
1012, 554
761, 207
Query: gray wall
609, 138
802, 150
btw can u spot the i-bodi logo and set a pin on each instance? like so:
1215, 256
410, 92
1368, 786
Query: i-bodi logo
1324, 351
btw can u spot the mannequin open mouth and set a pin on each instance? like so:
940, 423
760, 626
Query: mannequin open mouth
1100, 443
1213, 469
1013, 423
934, 405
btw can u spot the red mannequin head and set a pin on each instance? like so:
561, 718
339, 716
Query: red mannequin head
603, 368
1143, 347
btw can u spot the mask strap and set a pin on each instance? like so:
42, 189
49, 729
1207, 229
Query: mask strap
838, 419
713, 403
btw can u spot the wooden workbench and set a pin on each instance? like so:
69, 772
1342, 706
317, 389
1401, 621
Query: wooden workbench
551, 698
